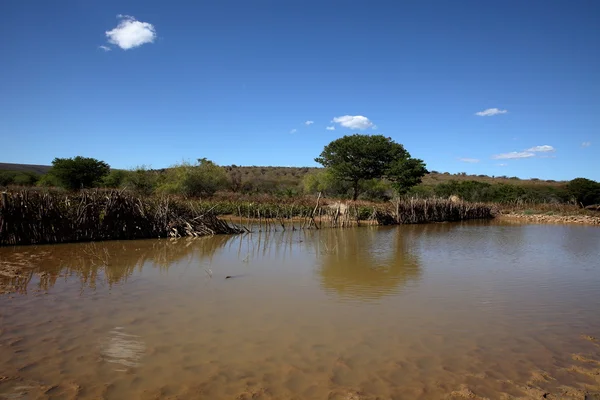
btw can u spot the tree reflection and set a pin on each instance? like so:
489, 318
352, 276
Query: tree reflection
104, 263
366, 263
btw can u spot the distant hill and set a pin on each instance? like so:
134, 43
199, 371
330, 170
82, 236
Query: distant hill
292, 176
38, 169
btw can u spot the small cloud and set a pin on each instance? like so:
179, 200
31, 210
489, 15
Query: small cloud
354, 122
502, 165
469, 160
542, 149
309, 122
294, 131
105, 48
586, 144
131, 33
513, 155
491, 112
330, 128
548, 156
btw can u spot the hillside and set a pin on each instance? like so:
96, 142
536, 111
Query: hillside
36, 169
292, 176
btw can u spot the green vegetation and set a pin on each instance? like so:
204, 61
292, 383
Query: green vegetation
585, 191
200, 180
497, 193
18, 178
359, 158
79, 172
369, 168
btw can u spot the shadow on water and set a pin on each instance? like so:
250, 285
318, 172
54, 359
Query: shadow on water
366, 263
103, 263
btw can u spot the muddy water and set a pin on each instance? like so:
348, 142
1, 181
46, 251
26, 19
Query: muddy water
475, 310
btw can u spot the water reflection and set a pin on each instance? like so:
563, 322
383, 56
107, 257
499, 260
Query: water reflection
104, 263
366, 263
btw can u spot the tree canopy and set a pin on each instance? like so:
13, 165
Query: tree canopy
585, 191
79, 172
357, 158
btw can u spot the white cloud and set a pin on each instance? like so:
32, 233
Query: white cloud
513, 154
354, 122
330, 128
469, 160
105, 48
586, 144
309, 122
502, 165
542, 149
131, 33
491, 112
294, 131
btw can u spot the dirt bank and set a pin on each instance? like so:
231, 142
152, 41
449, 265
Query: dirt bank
550, 219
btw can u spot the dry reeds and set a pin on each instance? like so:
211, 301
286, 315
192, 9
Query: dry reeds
418, 211
264, 217
34, 217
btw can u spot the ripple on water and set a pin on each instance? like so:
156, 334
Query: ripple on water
122, 348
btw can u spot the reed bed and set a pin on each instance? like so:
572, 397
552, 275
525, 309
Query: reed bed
419, 211
35, 217
256, 216
38, 217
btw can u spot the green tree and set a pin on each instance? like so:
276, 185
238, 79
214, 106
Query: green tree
79, 172
358, 158
585, 191
202, 179
405, 173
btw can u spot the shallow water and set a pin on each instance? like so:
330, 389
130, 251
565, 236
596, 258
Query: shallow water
479, 310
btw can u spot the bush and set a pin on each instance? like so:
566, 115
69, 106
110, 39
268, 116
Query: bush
115, 179
323, 181
585, 191
48, 180
141, 180
499, 193
202, 179
376, 190
18, 178
79, 172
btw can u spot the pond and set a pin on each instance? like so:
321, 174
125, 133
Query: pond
455, 310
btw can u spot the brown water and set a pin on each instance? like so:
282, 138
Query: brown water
474, 310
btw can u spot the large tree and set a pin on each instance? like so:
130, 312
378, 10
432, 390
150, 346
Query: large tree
356, 158
79, 172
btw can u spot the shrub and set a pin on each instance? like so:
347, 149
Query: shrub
585, 191
202, 179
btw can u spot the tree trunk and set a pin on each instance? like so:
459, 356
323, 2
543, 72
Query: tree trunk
355, 187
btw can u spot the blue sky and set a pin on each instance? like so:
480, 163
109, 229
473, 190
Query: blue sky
239, 81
